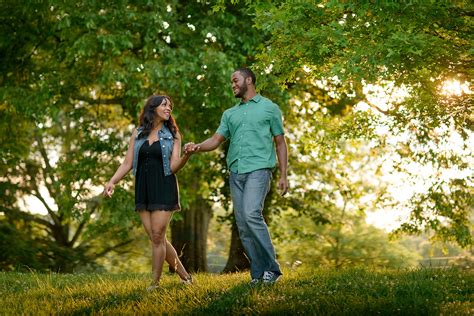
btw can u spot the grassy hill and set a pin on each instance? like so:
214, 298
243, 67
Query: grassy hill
305, 291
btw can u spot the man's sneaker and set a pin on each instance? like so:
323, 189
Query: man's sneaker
255, 282
270, 277
188, 280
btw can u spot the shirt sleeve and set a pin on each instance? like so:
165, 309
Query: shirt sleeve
276, 122
223, 128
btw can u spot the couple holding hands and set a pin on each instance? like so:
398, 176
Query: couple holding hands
252, 126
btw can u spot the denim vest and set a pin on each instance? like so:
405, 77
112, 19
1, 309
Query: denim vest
166, 142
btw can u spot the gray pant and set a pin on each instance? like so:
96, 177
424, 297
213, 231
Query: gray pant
248, 194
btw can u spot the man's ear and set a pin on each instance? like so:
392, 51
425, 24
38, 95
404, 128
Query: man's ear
248, 80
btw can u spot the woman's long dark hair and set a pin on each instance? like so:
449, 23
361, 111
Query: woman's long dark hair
148, 115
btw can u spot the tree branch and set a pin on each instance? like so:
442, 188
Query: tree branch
36, 193
329, 240
113, 101
466, 13
29, 216
42, 150
386, 112
27, 56
50, 211
94, 203
48, 171
109, 249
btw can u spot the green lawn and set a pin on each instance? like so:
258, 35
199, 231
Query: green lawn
305, 291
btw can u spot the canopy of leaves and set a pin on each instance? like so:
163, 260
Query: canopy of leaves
345, 47
73, 78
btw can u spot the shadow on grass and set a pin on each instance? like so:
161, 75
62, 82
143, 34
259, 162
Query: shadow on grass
224, 302
112, 300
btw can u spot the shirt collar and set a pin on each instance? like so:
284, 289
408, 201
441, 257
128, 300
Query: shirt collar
164, 130
255, 99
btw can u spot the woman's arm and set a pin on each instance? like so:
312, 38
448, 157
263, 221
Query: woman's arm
123, 169
178, 161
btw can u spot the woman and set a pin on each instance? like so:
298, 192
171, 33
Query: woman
154, 155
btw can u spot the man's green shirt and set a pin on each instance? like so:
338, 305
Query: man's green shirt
250, 127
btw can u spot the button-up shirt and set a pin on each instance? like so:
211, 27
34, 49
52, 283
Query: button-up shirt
250, 127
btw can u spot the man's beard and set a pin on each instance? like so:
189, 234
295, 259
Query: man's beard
242, 91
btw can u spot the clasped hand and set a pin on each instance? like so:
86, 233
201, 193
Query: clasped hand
190, 148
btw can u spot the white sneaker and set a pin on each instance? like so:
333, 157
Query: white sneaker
270, 277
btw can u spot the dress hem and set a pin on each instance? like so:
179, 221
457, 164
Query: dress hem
157, 207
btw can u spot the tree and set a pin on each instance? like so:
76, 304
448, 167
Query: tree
417, 46
78, 73
323, 221
302, 241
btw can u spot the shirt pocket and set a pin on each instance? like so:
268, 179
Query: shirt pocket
167, 143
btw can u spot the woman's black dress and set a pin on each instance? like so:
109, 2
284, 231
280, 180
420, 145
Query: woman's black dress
153, 190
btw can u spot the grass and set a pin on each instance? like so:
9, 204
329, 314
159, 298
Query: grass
305, 291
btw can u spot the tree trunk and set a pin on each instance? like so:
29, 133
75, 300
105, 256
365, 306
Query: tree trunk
189, 235
237, 259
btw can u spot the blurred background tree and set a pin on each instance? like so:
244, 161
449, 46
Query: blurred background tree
73, 79
401, 75
377, 108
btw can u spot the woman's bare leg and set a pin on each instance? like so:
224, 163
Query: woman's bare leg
173, 260
159, 223
171, 255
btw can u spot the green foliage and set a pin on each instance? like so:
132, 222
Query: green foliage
18, 247
74, 76
304, 291
348, 46
346, 243
450, 207
335, 180
365, 41
73, 79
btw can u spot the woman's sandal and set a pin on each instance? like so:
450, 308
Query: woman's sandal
188, 280
153, 287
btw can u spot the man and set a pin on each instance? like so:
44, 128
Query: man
251, 126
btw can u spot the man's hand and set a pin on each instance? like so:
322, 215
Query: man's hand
190, 148
283, 186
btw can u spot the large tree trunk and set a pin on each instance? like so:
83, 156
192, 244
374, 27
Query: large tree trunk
189, 235
237, 259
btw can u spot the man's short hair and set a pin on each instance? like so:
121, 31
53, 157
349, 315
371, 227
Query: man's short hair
246, 72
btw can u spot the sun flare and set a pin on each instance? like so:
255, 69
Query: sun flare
453, 87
